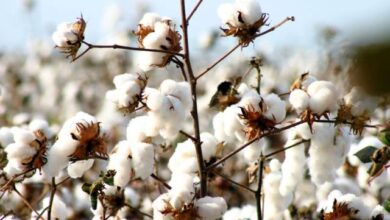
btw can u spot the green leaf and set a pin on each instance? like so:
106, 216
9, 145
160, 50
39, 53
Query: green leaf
385, 137
365, 154
386, 205
86, 187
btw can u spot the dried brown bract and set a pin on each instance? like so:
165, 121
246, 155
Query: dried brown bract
187, 212
91, 142
310, 117
247, 32
255, 122
39, 159
357, 123
341, 211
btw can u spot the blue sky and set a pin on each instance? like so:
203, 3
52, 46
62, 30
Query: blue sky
356, 19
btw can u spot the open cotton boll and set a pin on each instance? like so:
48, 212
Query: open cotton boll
182, 181
6, 136
59, 209
121, 162
323, 97
142, 159
276, 108
246, 212
250, 10
22, 135
209, 145
149, 19
42, 125
159, 206
211, 208
184, 158
299, 100
77, 169
57, 157
140, 128
228, 14
379, 211
180, 90
365, 142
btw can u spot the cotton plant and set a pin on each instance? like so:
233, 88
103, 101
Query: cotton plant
181, 142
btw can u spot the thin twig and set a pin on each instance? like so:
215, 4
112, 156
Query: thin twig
290, 18
286, 148
181, 66
4, 187
6, 214
116, 46
284, 94
138, 211
259, 187
43, 211
194, 10
227, 156
166, 185
187, 135
218, 61
52, 193
24, 200
194, 112
233, 182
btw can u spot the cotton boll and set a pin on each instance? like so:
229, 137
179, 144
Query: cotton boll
6, 136
140, 128
211, 208
180, 197
246, 212
149, 19
77, 169
182, 181
121, 162
299, 100
250, 9
42, 125
23, 136
132, 196
209, 145
58, 209
57, 157
159, 206
361, 103
142, 159
379, 211
276, 108
180, 90
228, 14
323, 97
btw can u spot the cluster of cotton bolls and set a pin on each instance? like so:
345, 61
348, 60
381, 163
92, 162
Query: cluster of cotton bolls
68, 142
318, 96
184, 158
361, 103
230, 127
127, 92
356, 208
179, 202
156, 32
168, 107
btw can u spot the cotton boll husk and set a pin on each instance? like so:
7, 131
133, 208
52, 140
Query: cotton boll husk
77, 169
142, 159
159, 205
276, 108
250, 9
149, 19
121, 163
211, 208
323, 97
299, 100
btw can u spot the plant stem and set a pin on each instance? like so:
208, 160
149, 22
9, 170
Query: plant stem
52, 193
116, 46
233, 182
194, 10
194, 112
290, 18
25, 200
161, 181
138, 211
259, 187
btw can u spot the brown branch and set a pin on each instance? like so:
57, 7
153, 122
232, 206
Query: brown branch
286, 148
52, 193
277, 130
4, 187
6, 214
233, 182
290, 18
194, 112
193, 11
187, 135
284, 94
116, 46
259, 187
43, 211
24, 200
138, 211
166, 185
218, 61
